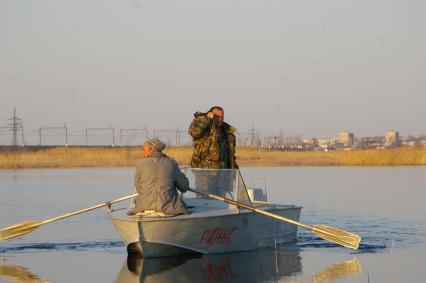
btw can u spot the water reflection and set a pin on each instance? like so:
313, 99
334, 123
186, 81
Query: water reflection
342, 270
18, 274
256, 266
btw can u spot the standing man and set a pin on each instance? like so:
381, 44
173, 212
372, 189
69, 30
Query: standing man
214, 140
156, 179
214, 148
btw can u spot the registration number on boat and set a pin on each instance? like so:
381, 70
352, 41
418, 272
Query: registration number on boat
216, 235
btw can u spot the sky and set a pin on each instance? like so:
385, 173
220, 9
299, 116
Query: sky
304, 67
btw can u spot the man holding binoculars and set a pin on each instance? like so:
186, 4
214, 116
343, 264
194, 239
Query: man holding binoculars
214, 140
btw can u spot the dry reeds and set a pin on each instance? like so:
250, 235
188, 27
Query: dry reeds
62, 157
375, 157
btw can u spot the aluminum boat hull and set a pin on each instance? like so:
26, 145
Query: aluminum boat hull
208, 230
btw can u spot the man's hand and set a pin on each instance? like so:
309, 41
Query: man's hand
210, 114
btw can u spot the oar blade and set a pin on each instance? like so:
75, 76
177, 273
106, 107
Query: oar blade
337, 236
18, 230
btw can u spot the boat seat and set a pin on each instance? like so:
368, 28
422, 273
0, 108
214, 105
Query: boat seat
151, 213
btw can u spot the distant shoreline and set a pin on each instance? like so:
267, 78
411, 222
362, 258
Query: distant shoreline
62, 157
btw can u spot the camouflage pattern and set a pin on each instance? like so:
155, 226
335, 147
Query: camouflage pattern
214, 147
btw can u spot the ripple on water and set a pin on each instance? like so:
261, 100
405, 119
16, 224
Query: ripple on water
77, 246
377, 233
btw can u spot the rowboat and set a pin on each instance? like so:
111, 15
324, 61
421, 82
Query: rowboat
213, 226
224, 219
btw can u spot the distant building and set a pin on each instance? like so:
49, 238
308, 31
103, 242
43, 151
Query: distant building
347, 138
372, 142
326, 143
392, 138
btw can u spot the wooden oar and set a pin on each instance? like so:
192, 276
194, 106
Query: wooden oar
328, 233
26, 227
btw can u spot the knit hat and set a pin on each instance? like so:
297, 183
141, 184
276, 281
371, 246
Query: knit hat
156, 144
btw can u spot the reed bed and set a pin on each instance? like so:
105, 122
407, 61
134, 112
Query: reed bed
62, 157
402, 156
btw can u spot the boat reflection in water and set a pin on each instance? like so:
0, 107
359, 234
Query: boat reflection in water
255, 266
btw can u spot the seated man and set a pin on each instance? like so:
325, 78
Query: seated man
156, 179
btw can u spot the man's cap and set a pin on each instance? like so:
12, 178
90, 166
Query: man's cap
156, 144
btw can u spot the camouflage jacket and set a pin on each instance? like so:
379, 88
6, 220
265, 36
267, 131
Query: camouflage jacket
214, 147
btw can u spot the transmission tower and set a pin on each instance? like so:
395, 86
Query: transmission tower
252, 132
16, 125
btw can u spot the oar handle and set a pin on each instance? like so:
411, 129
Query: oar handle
251, 208
107, 203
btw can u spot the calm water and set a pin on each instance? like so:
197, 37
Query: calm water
386, 206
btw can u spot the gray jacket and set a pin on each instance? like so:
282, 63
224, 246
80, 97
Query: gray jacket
156, 179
